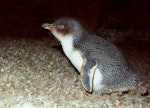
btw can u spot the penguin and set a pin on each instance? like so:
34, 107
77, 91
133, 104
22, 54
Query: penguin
101, 65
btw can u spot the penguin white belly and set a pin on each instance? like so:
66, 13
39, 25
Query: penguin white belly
73, 55
76, 59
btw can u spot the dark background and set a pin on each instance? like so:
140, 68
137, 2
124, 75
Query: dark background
23, 18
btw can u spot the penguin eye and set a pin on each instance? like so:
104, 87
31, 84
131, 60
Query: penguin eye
61, 26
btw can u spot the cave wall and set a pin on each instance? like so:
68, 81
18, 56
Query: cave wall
26, 16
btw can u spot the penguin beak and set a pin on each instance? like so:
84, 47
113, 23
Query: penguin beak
48, 26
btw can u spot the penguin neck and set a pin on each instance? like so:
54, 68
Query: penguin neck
71, 52
80, 38
78, 33
70, 41
67, 44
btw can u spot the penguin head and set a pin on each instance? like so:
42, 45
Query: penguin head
64, 27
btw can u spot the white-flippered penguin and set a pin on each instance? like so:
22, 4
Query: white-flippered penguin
101, 65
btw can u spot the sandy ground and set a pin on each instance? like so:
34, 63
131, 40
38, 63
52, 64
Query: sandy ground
36, 74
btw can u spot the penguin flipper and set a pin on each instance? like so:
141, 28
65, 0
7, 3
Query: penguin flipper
87, 74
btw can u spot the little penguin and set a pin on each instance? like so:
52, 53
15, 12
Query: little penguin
102, 66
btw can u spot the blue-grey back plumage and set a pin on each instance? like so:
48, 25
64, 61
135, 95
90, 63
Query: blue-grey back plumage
111, 61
